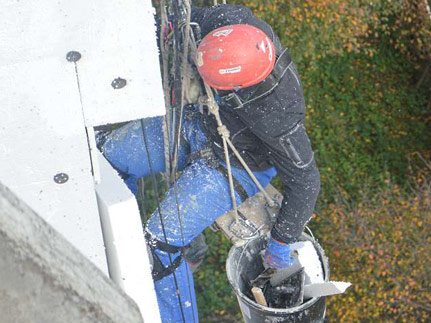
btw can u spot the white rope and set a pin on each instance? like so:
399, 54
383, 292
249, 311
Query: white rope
224, 133
185, 82
269, 200
166, 124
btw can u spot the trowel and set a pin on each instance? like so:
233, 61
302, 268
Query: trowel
281, 288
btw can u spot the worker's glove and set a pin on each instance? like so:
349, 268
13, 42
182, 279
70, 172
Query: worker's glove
278, 255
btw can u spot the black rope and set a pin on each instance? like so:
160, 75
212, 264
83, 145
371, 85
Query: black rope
154, 180
182, 235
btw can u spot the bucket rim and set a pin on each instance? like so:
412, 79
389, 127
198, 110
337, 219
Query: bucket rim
243, 298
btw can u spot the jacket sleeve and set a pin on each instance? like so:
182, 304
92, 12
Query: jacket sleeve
278, 121
293, 158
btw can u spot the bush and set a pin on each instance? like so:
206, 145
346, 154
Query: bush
382, 246
364, 117
316, 28
408, 25
216, 300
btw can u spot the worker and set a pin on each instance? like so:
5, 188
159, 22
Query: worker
261, 103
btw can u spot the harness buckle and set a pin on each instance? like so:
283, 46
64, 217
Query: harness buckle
233, 99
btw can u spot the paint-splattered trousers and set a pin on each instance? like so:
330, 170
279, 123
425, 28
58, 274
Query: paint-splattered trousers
199, 196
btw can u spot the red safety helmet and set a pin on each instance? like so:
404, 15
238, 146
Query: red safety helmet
235, 56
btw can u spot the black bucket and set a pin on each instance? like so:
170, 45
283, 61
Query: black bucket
244, 264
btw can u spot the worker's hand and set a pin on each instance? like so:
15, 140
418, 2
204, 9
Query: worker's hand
278, 255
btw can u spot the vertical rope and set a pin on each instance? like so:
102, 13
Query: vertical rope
162, 223
224, 133
180, 81
166, 124
184, 84
177, 78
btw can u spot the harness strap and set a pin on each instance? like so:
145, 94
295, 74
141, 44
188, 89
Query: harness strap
239, 98
206, 154
157, 244
159, 270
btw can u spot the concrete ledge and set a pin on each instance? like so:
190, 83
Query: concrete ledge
43, 278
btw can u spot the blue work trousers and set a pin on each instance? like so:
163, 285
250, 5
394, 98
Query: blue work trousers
199, 196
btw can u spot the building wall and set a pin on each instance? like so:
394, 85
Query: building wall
46, 279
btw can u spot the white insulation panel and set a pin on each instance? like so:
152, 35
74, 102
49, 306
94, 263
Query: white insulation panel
128, 260
42, 134
48, 101
116, 39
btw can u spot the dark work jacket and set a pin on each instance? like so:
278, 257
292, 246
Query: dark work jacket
269, 131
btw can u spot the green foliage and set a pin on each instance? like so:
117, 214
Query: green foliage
407, 23
215, 297
382, 246
364, 118
316, 28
